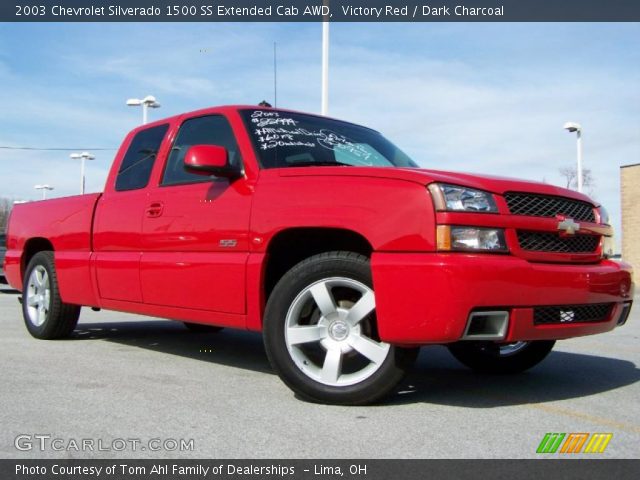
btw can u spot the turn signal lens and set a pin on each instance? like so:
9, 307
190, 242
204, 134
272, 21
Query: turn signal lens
443, 234
608, 247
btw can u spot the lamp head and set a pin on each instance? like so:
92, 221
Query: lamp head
572, 127
85, 155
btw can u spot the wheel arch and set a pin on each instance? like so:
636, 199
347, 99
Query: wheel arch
31, 247
292, 245
285, 249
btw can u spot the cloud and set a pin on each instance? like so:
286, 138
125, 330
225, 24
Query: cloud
484, 98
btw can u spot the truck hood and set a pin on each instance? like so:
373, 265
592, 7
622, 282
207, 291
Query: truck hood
424, 176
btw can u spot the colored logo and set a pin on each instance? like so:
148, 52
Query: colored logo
574, 443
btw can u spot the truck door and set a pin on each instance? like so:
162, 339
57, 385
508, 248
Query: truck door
118, 221
195, 228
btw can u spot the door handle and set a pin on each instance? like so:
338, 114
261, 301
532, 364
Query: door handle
154, 210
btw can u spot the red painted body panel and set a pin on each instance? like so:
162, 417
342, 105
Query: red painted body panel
118, 244
66, 223
255, 291
197, 252
198, 247
183, 314
427, 298
74, 276
423, 176
204, 281
392, 214
118, 275
13, 268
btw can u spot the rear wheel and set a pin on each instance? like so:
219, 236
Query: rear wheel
321, 336
201, 328
492, 357
45, 314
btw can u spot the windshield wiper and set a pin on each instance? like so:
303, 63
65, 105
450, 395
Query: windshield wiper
320, 164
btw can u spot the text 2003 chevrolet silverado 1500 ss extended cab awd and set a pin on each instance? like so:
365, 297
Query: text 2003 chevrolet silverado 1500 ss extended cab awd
330, 240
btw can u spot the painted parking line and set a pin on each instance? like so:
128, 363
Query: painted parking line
596, 419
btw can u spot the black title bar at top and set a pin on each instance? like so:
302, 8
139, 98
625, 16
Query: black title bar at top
319, 10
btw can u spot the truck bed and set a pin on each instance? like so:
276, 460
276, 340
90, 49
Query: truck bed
65, 223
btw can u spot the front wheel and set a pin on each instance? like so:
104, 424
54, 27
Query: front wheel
321, 336
491, 357
46, 316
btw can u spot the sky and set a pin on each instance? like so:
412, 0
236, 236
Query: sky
476, 97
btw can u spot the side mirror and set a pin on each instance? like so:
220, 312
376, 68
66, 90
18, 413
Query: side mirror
209, 160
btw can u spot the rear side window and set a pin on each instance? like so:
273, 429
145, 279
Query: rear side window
209, 130
137, 163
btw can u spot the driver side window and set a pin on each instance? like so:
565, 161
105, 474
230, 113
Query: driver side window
209, 130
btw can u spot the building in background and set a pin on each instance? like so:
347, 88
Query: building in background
630, 206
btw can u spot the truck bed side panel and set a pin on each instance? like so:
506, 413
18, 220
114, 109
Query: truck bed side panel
67, 224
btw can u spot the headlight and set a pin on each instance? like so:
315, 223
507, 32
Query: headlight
461, 199
464, 239
604, 215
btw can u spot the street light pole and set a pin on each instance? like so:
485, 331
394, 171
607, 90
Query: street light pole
82, 157
577, 128
44, 189
579, 148
147, 102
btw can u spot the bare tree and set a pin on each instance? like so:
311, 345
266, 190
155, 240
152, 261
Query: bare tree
5, 208
569, 175
571, 179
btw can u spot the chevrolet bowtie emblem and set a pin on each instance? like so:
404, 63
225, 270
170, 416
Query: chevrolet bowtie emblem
568, 227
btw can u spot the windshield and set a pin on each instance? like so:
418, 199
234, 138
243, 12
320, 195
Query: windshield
285, 139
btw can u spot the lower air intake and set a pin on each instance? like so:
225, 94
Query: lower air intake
591, 313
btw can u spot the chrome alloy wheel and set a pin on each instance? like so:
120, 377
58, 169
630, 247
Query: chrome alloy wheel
38, 296
512, 348
328, 332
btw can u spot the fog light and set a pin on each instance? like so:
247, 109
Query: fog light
455, 238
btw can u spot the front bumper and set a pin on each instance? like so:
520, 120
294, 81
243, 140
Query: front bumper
424, 298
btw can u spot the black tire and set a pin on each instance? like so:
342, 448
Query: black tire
488, 357
50, 318
370, 383
200, 328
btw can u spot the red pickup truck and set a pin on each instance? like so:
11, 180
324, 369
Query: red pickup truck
330, 240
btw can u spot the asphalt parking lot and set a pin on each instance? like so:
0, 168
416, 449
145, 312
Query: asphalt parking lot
128, 377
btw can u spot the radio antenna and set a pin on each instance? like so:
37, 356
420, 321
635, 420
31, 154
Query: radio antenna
275, 75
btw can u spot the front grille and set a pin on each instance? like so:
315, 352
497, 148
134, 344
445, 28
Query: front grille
554, 243
593, 313
548, 206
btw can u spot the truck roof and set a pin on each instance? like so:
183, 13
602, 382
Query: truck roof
235, 108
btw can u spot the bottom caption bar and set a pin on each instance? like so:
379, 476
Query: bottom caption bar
313, 469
